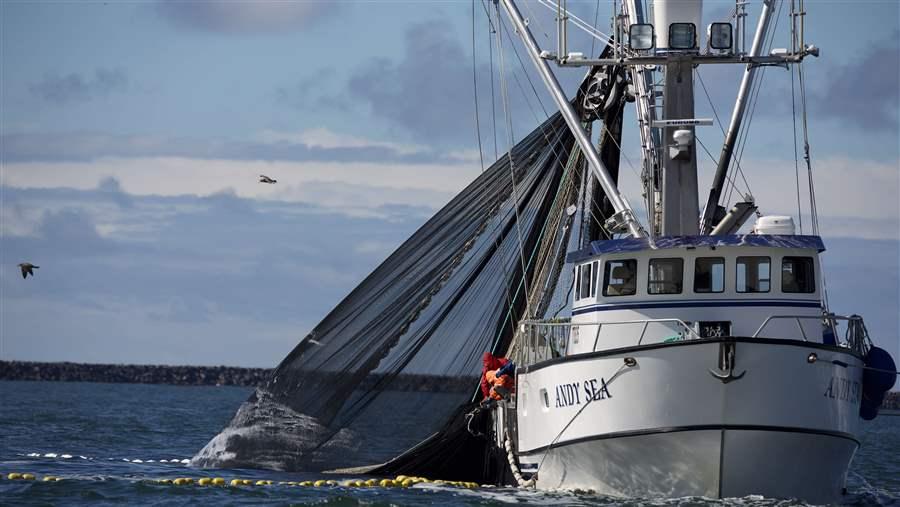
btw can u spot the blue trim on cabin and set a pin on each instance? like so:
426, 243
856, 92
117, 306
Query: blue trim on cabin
641, 244
698, 303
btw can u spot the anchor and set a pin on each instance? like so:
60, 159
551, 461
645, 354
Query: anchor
725, 372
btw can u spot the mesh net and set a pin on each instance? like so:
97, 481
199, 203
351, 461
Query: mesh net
394, 365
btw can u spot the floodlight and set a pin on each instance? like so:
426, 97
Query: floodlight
720, 36
682, 36
640, 36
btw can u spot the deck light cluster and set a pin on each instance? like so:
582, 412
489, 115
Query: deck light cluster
682, 36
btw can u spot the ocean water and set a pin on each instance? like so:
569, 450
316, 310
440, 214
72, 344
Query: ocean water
110, 443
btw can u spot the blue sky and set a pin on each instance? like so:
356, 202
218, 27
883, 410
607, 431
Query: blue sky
132, 134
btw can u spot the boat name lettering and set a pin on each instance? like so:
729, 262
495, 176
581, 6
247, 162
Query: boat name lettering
840, 388
570, 394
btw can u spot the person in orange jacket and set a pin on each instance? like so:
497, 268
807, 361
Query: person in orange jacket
497, 377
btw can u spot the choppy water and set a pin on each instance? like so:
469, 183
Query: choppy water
111, 442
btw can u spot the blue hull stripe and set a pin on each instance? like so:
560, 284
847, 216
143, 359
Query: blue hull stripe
697, 304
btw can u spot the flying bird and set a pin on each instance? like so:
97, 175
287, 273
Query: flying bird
265, 179
26, 268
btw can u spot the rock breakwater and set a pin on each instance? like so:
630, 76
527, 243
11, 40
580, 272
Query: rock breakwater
135, 373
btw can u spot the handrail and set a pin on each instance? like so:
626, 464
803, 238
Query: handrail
685, 328
827, 317
559, 331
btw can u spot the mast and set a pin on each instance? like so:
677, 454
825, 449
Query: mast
633, 12
737, 116
668, 144
678, 157
624, 216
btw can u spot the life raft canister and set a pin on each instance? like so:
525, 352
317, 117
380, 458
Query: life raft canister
878, 378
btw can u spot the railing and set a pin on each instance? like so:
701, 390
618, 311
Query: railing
540, 340
855, 337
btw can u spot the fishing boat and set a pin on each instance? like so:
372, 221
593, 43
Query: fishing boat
698, 361
690, 353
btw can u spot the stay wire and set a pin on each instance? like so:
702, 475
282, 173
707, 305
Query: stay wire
796, 152
504, 94
491, 30
755, 98
475, 91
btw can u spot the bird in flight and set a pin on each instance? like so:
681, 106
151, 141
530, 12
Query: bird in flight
26, 268
265, 179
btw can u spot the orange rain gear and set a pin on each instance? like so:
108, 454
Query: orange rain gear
501, 386
490, 362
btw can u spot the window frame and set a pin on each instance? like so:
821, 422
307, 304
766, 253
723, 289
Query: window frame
607, 273
812, 270
724, 276
577, 281
737, 262
591, 281
650, 282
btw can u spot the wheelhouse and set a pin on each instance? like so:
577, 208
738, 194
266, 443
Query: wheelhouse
696, 287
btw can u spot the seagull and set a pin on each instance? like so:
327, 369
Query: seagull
265, 179
26, 268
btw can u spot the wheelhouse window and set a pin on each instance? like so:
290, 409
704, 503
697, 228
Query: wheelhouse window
585, 281
753, 274
619, 278
666, 276
709, 274
798, 275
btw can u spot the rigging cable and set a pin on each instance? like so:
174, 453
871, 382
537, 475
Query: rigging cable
491, 53
753, 102
475, 91
596, 18
504, 94
585, 27
814, 212
544, 109
722, 129
510, 307
796, 154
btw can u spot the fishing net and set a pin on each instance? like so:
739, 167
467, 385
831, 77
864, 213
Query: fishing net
389, 373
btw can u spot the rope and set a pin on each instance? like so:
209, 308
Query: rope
514, 467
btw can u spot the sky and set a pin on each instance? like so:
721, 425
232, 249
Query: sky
132, 135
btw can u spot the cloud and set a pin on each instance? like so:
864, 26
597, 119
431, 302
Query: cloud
428, 92
350, 188
855, 198
110, 187
853, 94
230, 17
74, 87
181, 279
309, 145
312, 94
328, 139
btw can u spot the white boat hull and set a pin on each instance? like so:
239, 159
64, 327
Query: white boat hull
668, 427
710, 463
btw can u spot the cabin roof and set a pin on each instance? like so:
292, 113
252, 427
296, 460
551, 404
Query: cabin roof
638, 244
